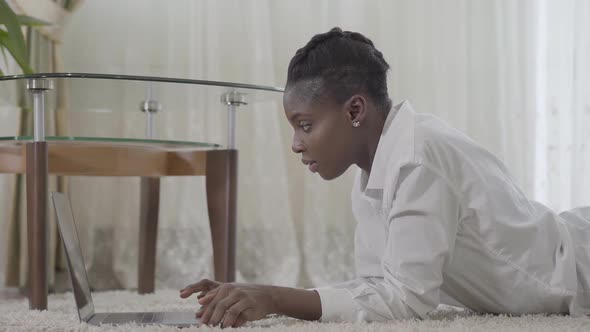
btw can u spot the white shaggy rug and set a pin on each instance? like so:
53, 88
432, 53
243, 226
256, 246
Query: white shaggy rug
61, 316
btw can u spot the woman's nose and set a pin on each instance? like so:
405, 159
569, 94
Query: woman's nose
297, 146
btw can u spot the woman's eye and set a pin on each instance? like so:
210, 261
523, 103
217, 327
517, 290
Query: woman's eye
305, 126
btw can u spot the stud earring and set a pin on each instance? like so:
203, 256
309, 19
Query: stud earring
356, 124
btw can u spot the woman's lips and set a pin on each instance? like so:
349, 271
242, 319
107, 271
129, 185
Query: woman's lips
313, 167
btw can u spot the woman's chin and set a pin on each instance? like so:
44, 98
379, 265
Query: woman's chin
331, 175
327, 177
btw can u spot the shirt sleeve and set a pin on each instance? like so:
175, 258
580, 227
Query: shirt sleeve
422, 229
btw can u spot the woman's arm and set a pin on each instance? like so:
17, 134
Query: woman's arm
422, 226
421, 231
298, 303
231, 303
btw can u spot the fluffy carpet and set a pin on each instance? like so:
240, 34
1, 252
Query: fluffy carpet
61, 316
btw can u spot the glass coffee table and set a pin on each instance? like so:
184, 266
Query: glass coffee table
40, 155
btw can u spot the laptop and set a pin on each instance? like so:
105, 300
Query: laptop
81, 286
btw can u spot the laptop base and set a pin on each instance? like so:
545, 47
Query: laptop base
178, 319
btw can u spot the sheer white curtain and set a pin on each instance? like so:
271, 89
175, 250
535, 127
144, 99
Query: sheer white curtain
225, 41
8, 119
513, 75
563, 157
43, 45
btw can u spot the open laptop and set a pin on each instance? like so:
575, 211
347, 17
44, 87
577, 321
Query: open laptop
81, 286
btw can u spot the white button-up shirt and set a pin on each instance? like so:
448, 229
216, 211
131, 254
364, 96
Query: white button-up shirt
440, 220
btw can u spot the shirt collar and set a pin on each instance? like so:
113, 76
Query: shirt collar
396, 145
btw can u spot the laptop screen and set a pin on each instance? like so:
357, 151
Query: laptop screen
76, 268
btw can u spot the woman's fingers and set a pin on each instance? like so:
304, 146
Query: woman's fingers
208, 297
200, 312
240, 321
222, 308
210, 292
221, 293
203, 285
236, 315
229, 304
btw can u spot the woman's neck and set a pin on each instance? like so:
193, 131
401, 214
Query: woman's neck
374, 130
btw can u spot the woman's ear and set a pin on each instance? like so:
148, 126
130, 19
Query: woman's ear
356, 109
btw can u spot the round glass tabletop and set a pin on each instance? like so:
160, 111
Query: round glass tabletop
142, 78
168, 145
105, 105
116, 93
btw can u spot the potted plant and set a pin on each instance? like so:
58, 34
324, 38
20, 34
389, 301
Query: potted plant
11, 36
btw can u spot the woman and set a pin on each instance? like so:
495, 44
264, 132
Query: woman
440, 220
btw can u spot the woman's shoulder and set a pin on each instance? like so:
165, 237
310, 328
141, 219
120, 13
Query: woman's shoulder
436, 140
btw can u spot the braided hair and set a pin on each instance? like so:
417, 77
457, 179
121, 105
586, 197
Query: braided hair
341, 63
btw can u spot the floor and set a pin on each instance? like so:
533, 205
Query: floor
62, 316
11, 294
14, 293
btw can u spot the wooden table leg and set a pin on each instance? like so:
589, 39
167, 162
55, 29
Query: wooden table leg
148, 234
221, 182
37, 235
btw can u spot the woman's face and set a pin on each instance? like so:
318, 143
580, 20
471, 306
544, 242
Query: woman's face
323, 132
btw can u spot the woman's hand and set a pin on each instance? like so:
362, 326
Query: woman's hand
232, 304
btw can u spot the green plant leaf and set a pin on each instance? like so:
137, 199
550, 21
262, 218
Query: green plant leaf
30, 21
3, 35
22, 63
13, 40
4, 56
1, 72
10, 20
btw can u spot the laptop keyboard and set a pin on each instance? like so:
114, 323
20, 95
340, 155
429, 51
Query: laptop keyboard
158, 317
148, 317
139, 318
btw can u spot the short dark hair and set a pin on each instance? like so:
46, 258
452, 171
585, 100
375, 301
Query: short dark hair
344, 63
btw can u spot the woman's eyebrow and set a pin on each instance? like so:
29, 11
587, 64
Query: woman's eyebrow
294, 117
